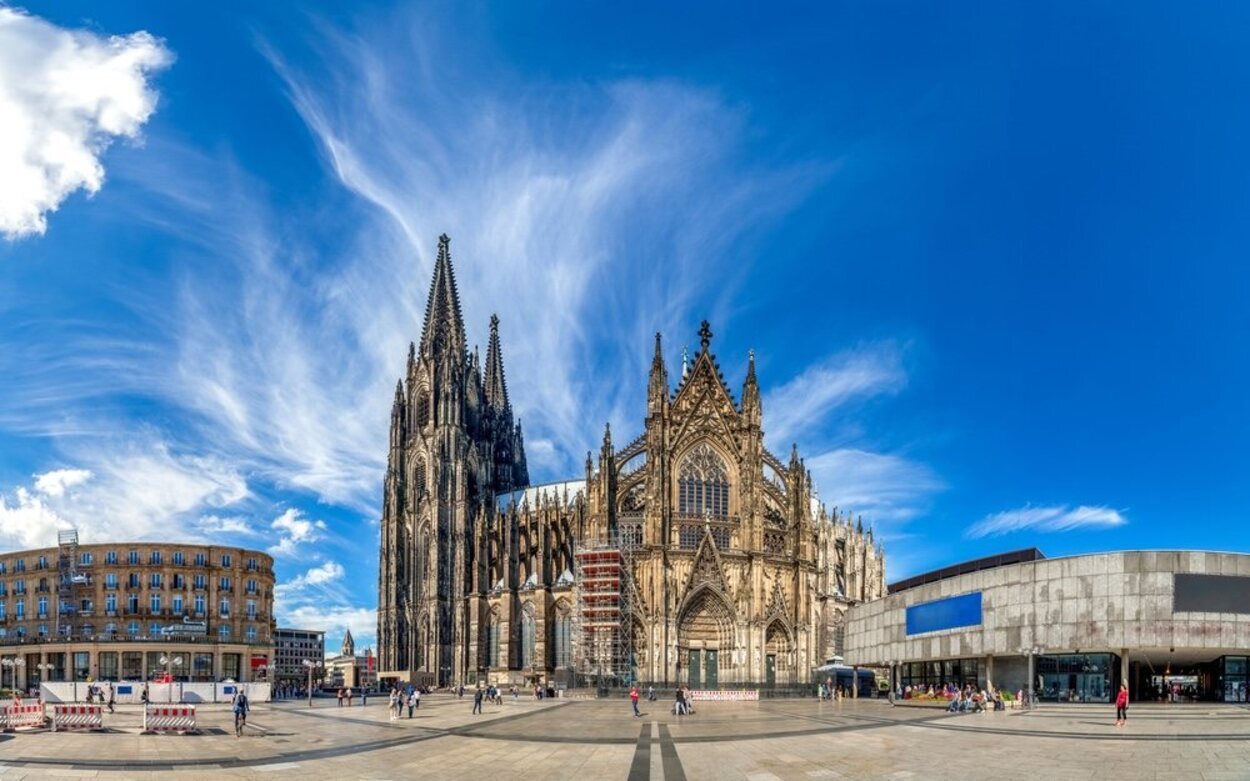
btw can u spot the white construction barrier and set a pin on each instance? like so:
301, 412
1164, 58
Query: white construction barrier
77, 717
131, 692
24, 716
169, 718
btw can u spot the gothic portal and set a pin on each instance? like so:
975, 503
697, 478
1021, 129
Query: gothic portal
732, 573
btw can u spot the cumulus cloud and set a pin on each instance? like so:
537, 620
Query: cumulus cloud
1046, 519
125, 490
56, 482
295, 530
65, 95
333, 619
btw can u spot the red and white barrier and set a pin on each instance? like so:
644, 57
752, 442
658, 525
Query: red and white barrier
717, 695
23, 716
77, 717
169, 718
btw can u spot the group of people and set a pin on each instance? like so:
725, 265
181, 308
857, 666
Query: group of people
105, 695
973, 700
289, 691
401, 698
346, 694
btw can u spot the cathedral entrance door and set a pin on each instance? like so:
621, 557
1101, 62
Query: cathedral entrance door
770, 670
710, 668
693, 669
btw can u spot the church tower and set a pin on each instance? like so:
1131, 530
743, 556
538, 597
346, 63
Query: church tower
454, 446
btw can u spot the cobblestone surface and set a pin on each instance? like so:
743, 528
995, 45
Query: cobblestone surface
602, 740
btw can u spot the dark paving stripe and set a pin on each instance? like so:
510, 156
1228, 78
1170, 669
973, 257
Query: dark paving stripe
668, 753
640, 768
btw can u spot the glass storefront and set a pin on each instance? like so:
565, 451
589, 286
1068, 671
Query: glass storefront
1234, 676
108, 666
82, 665
231, 664
1076, 677
132, 665
960, 672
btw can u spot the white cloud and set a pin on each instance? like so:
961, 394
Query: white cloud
125, 490
1046, 519
295, 530
331, 570
56, 482
883, 487
65, 95
866, 371
28, 522
333, 620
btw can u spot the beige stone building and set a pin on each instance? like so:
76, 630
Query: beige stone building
112, 611
692, 553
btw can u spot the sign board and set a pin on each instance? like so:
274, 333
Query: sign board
950, 613
187, 627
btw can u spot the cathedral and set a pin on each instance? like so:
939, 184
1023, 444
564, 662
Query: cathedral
689, 554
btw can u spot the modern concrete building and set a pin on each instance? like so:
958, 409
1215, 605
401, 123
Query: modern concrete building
135, 611
1172, 624
291, 647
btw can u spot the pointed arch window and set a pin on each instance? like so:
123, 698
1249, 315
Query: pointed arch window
527, 637
703, 483
423, 408
418, 478
492, 641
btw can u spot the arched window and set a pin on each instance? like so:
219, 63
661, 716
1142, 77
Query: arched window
527, 637
564, 640
418, 478
703, 483
492, 641
423, 408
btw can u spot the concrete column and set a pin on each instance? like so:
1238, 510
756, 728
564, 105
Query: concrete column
217, 671
1123, 672
855, 682
1032, 700
989, 672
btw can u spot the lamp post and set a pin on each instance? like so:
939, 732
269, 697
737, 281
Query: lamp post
309, 664
170, 661
45, 669
11, 664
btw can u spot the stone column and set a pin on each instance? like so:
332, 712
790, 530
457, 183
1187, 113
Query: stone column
989, 672
855, 682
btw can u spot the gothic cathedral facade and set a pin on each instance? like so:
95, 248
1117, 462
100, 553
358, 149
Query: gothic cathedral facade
736, 573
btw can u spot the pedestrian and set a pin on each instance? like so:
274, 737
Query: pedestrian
349, 696
144, 694
515, 693
416, 698
1121, 706
679, 704
633, 699
412, 703
364, 696
112, 698
650, 693
341, 696
477, 701
394, 704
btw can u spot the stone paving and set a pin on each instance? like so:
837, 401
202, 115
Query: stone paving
561, 739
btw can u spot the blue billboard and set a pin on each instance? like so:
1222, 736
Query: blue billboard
949, 613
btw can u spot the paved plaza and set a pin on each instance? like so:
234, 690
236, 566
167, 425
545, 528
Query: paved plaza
587, 739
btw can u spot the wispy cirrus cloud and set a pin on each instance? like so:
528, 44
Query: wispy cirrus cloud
65, 95
830, 384
882, 487
1060, 518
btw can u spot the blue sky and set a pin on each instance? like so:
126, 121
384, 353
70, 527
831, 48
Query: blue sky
991, 259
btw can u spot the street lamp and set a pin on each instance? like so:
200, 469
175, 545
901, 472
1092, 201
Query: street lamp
11, 664
175, 661
45, 669
310, 664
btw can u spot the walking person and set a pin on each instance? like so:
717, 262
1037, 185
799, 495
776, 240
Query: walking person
340, 696
349, 696
112, 697
415, 697
477, 701
633, 699
364, 697
412, 703
1121, 706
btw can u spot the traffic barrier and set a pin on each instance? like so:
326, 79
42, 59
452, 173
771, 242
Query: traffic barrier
77, 717
169, 718
23, 716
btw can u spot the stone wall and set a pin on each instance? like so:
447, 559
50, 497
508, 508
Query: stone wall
1100, 602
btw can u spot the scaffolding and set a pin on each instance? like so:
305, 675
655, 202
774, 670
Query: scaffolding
604, 616
69, 581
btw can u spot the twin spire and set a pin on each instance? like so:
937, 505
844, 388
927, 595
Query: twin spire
443, 322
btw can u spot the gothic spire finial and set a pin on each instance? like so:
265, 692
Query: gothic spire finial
442, 310
705, 335
685, 361
495, 382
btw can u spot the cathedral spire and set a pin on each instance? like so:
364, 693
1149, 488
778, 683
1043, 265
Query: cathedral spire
705, 336
443, 323
657, 384
496, 386
751, 392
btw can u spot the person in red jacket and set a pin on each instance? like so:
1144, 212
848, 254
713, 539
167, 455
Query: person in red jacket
1121, 706
633, 698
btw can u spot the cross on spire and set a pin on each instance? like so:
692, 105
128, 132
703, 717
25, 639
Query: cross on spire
705, 335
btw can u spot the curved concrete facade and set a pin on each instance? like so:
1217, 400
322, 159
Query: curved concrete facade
1157, 608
